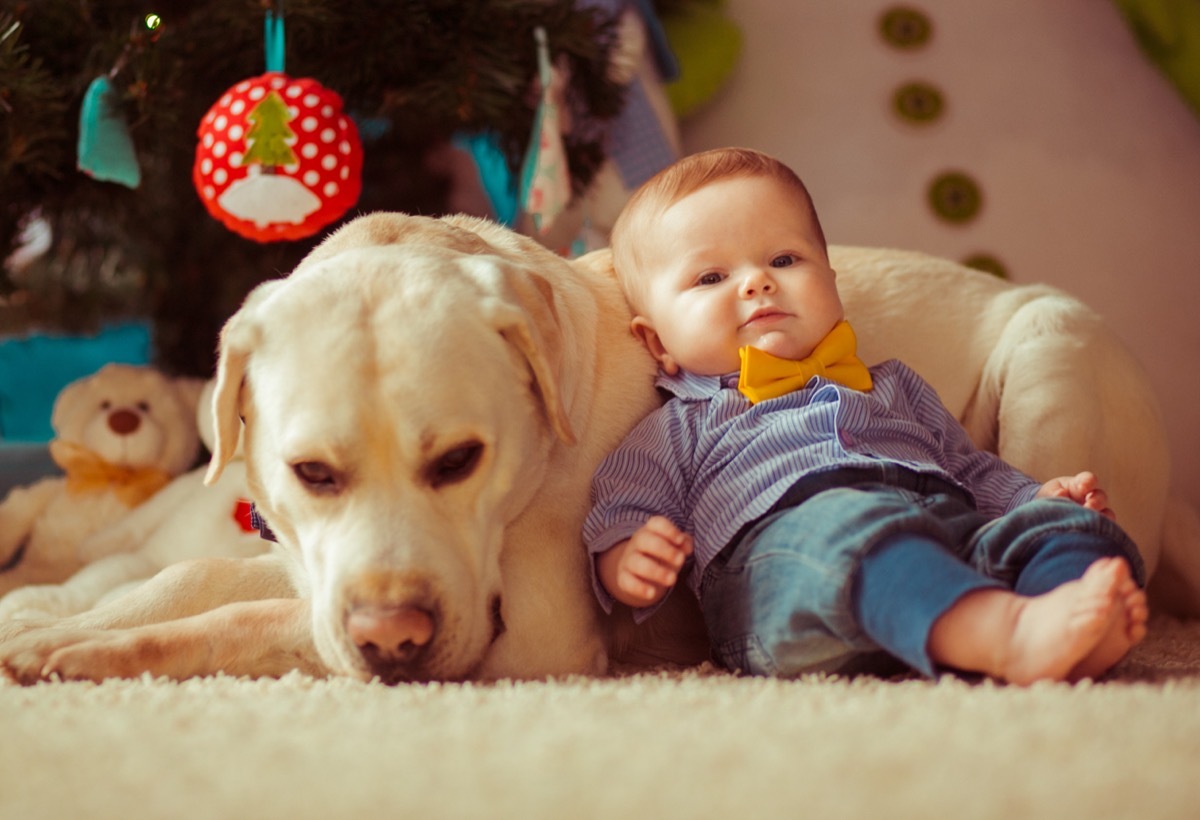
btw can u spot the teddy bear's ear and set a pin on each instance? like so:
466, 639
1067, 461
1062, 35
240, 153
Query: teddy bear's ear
67, 403
71, 404
188, 390
239, 338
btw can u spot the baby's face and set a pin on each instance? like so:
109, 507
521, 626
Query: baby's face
738, 262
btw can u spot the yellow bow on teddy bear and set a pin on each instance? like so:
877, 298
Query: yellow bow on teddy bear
87, 472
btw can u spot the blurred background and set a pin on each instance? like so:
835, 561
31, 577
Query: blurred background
1084, 152
1054, 142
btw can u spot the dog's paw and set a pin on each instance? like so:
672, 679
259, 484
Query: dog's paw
21, 653
26, 658
81, 655
37, 601
103, 655
14, 627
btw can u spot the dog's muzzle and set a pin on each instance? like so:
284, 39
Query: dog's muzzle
395, 640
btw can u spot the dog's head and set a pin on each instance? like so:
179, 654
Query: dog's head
399, 404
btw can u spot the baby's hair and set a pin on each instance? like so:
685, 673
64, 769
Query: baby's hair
684, 177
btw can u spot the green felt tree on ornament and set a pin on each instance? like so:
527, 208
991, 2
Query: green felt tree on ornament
269, 133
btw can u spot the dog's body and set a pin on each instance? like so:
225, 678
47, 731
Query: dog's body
471, 358
425, 402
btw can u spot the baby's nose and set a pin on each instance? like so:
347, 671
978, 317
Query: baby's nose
757, 281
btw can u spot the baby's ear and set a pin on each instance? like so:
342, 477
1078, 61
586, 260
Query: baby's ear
644, 333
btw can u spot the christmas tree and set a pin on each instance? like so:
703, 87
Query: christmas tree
411, 73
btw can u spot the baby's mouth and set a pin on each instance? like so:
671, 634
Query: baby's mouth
764, 316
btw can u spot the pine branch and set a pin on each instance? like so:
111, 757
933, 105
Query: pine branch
427, 68
33, 145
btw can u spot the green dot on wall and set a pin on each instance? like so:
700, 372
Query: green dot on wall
918, 102
955, 197
905, 27
987, 263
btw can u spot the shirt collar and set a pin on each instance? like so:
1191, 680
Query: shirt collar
690, 387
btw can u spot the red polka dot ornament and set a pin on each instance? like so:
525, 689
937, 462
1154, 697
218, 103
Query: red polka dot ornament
277, 159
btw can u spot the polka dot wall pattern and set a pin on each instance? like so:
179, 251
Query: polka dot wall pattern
953, 195
277, 159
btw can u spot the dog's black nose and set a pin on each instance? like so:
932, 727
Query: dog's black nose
391, 639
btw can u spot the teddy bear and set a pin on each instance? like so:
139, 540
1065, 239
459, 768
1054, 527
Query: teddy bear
185, 520
121, 435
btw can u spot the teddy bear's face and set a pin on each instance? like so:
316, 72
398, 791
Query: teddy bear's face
130, 417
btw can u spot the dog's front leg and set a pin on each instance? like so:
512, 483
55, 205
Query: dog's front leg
255, 638
178, 591
81, 591
191, 587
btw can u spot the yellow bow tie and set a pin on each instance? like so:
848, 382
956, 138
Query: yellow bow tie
87, 472
764, 376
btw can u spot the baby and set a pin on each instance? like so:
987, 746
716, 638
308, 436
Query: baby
819, 510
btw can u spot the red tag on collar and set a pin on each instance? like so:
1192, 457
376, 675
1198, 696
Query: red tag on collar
241, 514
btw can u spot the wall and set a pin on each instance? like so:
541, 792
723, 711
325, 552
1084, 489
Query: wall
1088, 159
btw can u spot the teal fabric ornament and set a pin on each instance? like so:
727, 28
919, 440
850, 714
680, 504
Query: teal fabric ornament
105, 150
494, 175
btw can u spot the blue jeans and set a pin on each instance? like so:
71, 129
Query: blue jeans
850, 573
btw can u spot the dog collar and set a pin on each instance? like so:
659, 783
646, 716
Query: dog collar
259, 523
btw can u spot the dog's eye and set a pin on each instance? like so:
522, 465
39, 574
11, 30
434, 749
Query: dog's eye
454, 465
316, 475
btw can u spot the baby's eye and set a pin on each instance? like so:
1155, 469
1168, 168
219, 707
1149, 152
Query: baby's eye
784, 260
710, 278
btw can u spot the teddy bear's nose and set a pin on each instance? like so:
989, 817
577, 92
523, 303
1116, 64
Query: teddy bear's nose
124, 422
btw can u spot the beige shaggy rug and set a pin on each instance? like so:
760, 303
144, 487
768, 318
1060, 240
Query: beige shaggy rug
692, 743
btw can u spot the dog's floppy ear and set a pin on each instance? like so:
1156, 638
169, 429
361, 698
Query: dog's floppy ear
524, 313
239, 337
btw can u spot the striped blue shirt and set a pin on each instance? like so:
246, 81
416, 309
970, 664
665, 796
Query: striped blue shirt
712, 462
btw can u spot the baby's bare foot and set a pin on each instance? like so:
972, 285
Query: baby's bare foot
1073, 630
1126, 630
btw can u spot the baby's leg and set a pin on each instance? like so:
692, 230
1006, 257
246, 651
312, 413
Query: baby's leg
906, 585
1078, 629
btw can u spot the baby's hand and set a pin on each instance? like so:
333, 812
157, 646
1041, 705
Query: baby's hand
649, 562
1082, 489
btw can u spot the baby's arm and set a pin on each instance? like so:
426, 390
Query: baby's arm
1083, 489
641, 569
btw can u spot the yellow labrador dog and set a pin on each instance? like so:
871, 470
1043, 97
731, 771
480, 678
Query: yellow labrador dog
423, 402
